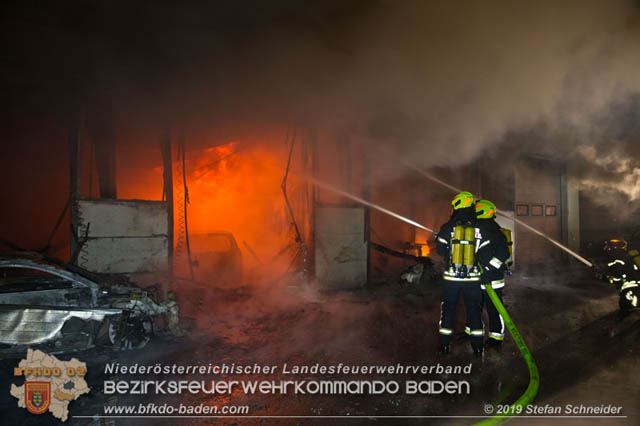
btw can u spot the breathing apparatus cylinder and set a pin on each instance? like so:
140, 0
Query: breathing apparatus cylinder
469, 247
463, 250
456, 249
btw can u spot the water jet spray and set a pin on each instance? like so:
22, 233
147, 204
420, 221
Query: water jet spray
503, 214
366, 203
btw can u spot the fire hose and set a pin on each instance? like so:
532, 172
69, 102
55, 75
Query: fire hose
534, 377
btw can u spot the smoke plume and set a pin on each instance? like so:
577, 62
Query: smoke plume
424, 76
440, 83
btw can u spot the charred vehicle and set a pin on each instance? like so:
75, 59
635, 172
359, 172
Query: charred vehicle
57, 307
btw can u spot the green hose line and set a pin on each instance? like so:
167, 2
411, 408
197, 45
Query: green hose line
519, 406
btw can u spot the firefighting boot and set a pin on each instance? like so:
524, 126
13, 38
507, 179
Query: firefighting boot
493, 344
444, 350
477, 352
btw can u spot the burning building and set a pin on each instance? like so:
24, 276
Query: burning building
278, 171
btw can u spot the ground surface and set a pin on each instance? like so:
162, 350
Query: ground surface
586, 352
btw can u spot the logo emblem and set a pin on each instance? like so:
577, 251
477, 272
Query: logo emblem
37, 396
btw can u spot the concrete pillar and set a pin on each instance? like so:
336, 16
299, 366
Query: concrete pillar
571, 210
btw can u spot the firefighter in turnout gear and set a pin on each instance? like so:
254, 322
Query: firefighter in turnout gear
458, 241
493, 255
623, 272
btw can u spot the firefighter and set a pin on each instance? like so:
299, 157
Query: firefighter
457, 242
623, 272
492, 256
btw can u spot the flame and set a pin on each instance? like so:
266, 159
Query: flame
424, 249
233, 187
238, 190
421, 242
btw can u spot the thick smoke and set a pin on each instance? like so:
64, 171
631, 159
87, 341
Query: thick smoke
426, 76
610, 174
440, 83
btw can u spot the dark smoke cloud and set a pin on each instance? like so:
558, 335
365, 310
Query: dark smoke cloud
438, 82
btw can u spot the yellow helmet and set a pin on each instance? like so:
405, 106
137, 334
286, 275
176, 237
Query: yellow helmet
462, 200
485, 209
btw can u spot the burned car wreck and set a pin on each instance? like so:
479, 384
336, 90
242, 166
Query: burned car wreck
57, 307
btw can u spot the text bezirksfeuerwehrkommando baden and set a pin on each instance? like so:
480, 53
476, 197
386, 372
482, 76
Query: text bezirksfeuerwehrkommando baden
331, 379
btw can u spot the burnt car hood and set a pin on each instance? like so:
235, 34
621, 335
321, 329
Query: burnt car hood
30, 324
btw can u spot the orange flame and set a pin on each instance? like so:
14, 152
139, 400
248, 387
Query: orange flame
234, 187
238, 191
